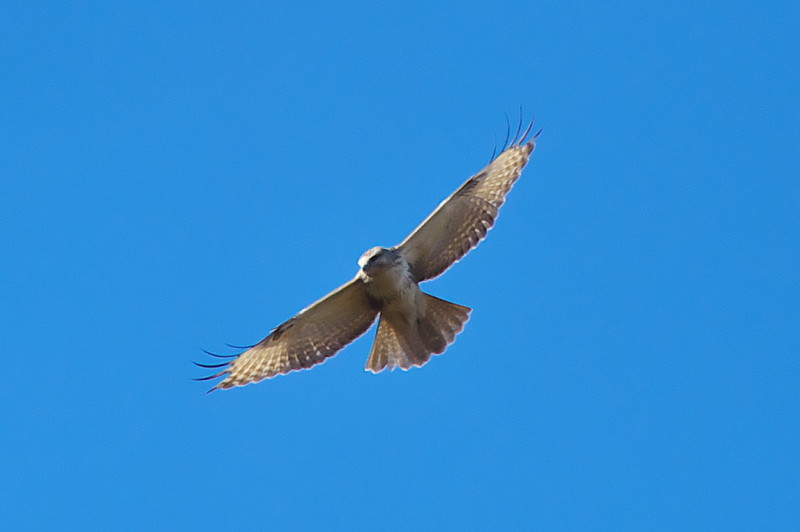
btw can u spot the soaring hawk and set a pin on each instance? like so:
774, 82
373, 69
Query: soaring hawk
412, 325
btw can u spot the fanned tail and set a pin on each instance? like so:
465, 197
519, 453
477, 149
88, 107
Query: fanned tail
405, 346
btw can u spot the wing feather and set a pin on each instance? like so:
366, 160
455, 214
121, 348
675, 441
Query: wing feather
463, 219
313, 335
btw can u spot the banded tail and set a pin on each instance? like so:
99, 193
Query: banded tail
406, 345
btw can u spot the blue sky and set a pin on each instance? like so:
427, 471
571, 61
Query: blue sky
175, 177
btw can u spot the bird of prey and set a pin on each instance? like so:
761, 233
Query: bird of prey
412, 325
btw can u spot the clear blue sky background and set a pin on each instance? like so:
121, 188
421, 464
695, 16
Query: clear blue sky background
175, 177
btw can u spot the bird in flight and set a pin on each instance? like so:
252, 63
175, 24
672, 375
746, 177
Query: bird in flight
412, 325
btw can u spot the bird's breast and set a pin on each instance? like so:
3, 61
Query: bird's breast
390, 286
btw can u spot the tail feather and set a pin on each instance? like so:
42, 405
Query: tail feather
386, 350
397, 345
445, 320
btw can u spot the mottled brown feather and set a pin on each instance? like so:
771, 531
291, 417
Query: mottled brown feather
463, 219
313, 335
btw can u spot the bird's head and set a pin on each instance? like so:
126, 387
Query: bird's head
378, 260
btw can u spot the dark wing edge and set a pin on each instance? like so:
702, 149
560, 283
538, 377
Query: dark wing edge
312, 336
464, 219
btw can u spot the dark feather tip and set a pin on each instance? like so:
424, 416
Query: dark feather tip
211, 366
218, 356
519, 128
527, 132
220, 374
508, 133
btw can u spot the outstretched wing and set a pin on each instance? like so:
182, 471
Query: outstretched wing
463, 219
316, 333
